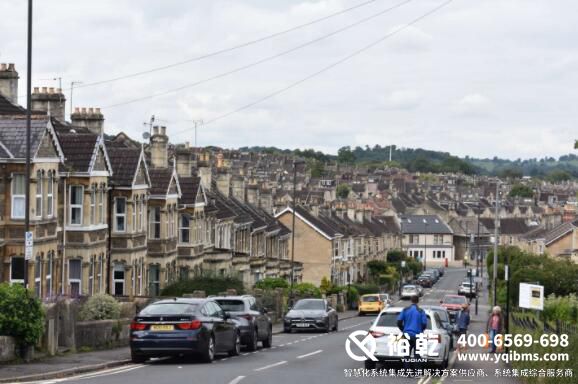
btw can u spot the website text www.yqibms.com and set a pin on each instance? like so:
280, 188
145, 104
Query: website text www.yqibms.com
512, 356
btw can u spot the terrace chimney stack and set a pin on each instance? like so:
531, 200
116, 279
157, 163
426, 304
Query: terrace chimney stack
159, 147
90, 118
49, 100
9, 82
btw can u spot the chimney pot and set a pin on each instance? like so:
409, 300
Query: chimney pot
155, 130
36, 89
44, 90
59, 90
51, 90
163, 130
90, 110
97, 110
11, 67
76, 110
83, 109
3, 66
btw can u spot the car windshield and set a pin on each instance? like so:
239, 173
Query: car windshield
232, 305
169, 309
443, 314
370, 299
309, 304
389, 319
455, 300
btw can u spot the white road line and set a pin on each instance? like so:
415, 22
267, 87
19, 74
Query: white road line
310, 354
270, 366
244, 354
281, 345
236, 380
107, 372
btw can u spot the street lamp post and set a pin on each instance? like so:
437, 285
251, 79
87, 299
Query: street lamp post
425, 246
28, 117
495, 259
293, 233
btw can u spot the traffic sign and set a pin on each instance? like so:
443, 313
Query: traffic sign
28, 245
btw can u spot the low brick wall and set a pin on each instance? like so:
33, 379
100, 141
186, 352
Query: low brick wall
7, 348
102, 333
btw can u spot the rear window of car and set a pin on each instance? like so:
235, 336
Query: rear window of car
232, 305
169, 309
370, 299
455, 300
389, 319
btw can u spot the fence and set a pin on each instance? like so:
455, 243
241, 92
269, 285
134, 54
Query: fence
528, 322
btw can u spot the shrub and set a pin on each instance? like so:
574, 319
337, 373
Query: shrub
100, 307
211, 286
21, 314
325, 286
270, 283
306, 290
366, 289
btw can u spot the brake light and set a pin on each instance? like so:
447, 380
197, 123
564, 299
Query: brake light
136, 326
376, 334
195, 324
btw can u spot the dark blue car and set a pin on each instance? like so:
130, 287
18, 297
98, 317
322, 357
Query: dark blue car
195, 327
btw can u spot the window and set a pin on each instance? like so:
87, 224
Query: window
120, 214
141, 214
154, 280
101, 205
91, 276
155, 223
93, 205
50, 194
49, 267
414, 239
135, 209
18, 196
184, 229
16, 270
99, 273
118, 279
76, 200
39, 181
75, 277
38, 276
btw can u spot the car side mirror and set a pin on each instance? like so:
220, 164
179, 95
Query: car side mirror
329, 308
264, 310
226, 315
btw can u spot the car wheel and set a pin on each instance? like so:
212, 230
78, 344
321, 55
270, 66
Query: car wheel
370, 364
137, 359
336, 326
252, 346
360, 313
236, 351
268, 342
327, 328
208, 354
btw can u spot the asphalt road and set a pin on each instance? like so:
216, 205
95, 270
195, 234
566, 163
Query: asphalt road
294, 358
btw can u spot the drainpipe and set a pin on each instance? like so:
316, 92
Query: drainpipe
65, 218
109, 245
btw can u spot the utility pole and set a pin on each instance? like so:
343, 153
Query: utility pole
72, 84
197, 123
150, 125
478, 260
292, 232
390, 149
28, 117
507, 278
425, 246
495, 259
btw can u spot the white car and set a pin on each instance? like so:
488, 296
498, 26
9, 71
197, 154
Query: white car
385, 325
407, 291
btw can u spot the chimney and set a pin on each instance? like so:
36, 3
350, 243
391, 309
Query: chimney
9, 82
351, 213
206, 177
224, 183
90, 118
49, 100
359, 215
184, 160
159, 148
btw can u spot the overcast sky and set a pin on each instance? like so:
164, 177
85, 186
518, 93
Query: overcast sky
479, 78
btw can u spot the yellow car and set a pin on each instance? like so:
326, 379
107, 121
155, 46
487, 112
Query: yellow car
370, 303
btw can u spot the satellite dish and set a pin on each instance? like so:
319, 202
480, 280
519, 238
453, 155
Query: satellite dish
146, 135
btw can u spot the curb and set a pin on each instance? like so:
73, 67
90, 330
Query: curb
278, 332
65, 372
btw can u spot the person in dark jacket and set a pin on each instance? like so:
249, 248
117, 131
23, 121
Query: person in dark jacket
462, 324
412, 321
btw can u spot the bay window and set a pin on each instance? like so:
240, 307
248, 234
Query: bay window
76, 201
50, 194
184, 229
120, 214
39, 193
155, 222
18, 196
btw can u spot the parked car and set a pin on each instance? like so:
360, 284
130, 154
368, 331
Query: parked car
446, 323
467, 289
407, 291
183, 327
310, 314
420, 290
384, 297
253, 323
425, 280
370, 303
441, 270
435, 273
385, 325
454, 304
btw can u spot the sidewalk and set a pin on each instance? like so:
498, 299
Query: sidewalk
76, 363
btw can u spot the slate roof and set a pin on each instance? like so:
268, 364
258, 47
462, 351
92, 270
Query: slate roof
160, 180
415, 224
508, 226
124, 163
7, 108
78, 149
389, 223
322, 225
559, 231
189, 188
13, 134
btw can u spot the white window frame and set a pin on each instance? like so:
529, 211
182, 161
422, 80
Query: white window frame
118, 268
75, 280
91, 275
153, 222
93, 219
39, 193
119, 215
17, 281
50, 194
76, 206
142, 214
135, 216
49, 270
38, 276
20, 197
101, 216
183, 228
100, 272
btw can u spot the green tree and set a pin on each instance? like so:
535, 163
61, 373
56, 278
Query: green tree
326, 285
343, 191
317, 168
270, 283
521, 190
345, 155
558, 176
21, 314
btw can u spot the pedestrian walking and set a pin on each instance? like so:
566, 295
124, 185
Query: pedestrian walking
494, 326
463, 323
412, 321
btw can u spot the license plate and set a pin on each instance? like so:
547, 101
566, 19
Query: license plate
303, 325
162, 327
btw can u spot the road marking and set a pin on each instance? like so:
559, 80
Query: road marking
310, 354
91, 375
424, 380
281, 345
244, 354
236, 380
270, 366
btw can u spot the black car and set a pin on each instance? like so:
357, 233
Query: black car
183, 327
310, 314
252, 320
425, 280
